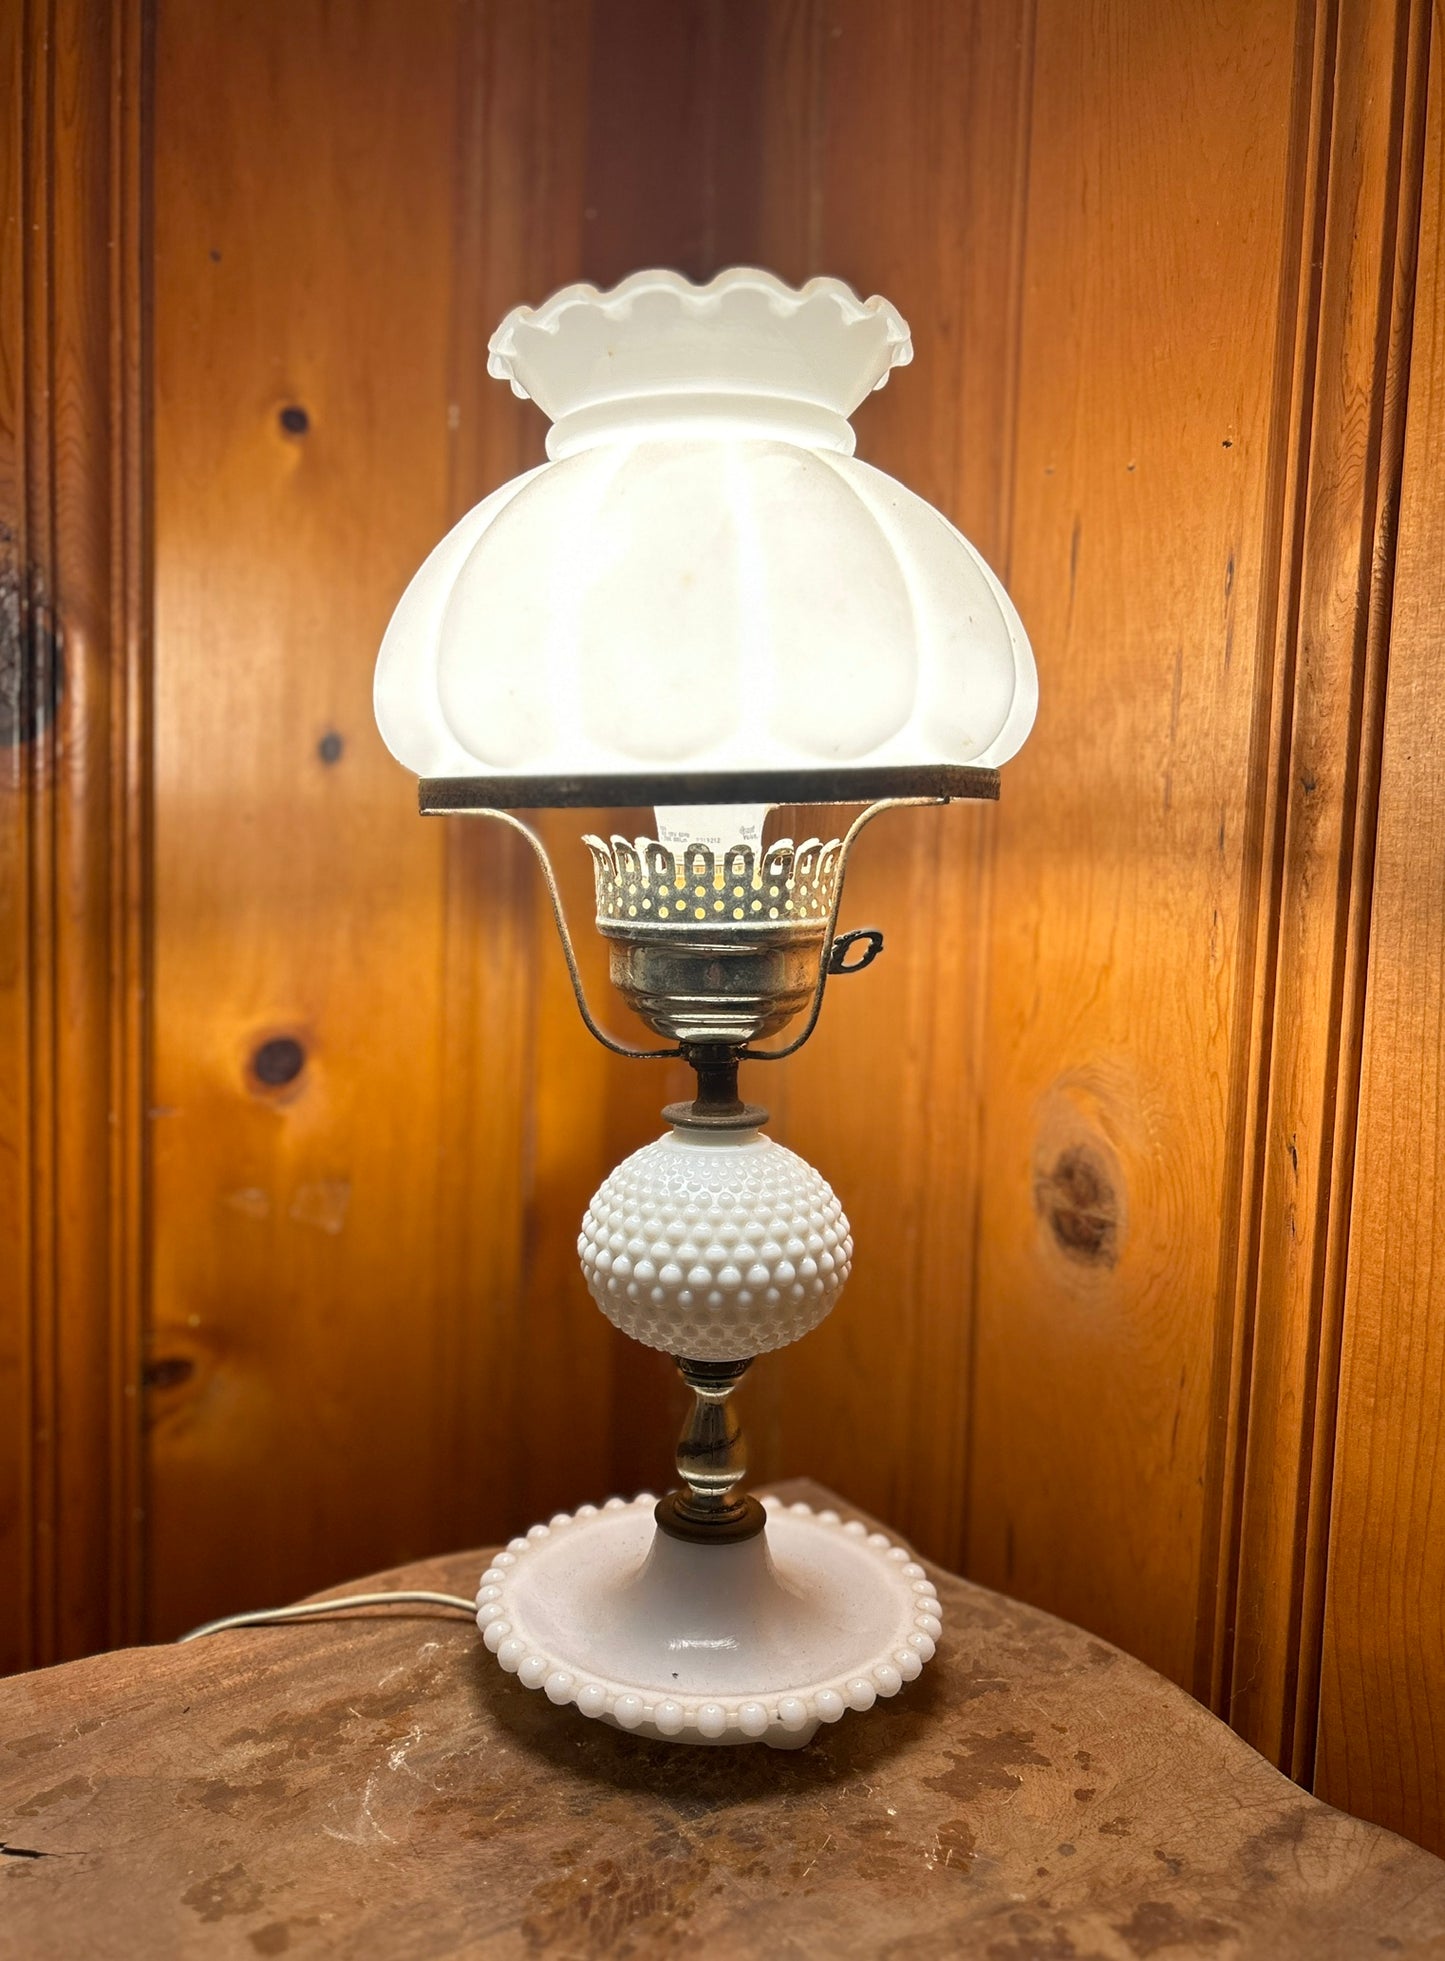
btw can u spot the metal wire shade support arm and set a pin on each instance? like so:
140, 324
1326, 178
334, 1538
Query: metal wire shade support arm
569, 952
825, 960
828, 944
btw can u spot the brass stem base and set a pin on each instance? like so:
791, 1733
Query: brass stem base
743, 1519
717, 1105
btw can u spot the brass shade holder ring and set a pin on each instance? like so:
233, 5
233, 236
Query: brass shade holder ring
676, 961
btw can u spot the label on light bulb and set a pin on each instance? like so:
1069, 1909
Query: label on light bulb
717, 825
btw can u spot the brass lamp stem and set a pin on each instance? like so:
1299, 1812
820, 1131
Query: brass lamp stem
710, 1461
717, 1105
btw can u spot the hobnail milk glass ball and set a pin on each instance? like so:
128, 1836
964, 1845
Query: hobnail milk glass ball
715, 1247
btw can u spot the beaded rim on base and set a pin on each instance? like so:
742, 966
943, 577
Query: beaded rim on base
734, 1718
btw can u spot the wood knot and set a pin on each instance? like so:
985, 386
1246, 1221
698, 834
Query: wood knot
168, 1371
1075, 1198
277, 1062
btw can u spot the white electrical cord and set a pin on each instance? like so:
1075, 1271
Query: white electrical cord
308, 1609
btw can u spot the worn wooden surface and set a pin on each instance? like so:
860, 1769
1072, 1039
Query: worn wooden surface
379, 1786
1382, 1710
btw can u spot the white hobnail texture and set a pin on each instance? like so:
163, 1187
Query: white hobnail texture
715, 1246
757, 1642
703, 577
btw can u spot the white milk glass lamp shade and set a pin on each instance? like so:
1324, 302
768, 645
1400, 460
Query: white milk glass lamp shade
703, 587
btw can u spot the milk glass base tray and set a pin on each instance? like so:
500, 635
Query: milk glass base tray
757, 1642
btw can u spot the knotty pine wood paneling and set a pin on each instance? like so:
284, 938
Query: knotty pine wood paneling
331, 1311
1147, 507
1094, 1112
876, 174
1200, 537
526, 1102
323, 305
1382, 1707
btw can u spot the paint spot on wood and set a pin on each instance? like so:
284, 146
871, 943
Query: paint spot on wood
976, 1680
273, 1938
73, 1789
294, 420
1156, 1925
330, 747
231, 1891
987, 1763
1031, 1945
225, 1799
322, 1204
953, 1844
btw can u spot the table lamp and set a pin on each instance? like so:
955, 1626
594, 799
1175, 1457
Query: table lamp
705, 603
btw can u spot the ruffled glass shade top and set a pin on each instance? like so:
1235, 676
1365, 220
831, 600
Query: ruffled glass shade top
703, 578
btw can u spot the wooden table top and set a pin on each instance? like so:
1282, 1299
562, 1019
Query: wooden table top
376, 1785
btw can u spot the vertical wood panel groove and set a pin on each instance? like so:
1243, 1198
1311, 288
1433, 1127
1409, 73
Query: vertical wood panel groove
1379, 1734
1333, 677
73, 788
130, 814
1263, 857
1002, 543
1405, 157
1378, 1731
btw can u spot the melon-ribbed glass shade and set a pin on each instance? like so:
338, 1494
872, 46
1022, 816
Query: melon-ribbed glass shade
703, 578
